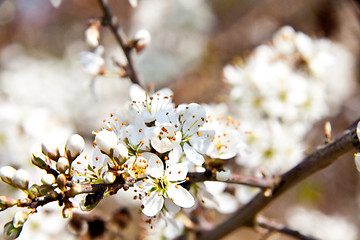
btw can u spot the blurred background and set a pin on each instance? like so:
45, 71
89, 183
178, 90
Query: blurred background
45, 94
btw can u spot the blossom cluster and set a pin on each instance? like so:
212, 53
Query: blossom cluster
281, 89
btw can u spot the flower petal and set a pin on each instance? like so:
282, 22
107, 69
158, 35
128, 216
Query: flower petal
176, 172
193, 155
153, 204
156, 166
180, 196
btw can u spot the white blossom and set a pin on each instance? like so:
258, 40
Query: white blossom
163, 184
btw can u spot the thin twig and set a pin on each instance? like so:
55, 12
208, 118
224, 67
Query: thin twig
262, 183
316, 161
281, 228
111, 21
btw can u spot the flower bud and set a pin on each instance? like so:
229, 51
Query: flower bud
48, 179
67, 212
74, 146
120, 152
142, 39
33, 191
10, 232
108, 177
223, 175
62, 164
92, 34
40, 161
61, 181
20, 218
50, 150
106, 141
6, 202
7, 173
21, 179
75, 190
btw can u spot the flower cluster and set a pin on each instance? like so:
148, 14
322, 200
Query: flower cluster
281, 89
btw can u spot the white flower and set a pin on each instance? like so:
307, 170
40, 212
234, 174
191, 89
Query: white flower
139, 166
148, 105
165, 137
187, 119
163, 184
90, 169
93, 62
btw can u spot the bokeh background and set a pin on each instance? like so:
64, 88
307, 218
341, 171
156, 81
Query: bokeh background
45, 95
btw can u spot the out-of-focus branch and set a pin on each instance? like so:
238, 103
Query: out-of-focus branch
111, 21
314, 162
281, 228
262, 183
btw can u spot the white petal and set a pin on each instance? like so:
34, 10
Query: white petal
201, 143
171, 207
144, 186
176, 172
153, 204
193, 155
156, 166
180, 196
174, 156
358, 130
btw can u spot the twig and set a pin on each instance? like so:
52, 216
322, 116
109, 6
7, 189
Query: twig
263, 183
281, 228
111, 21
316, 161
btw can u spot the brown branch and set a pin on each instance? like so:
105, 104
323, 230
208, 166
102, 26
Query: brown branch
281, 228
262, 183
111, 21
314, 162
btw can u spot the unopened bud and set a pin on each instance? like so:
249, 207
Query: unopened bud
48, 179
7, 173
74, 146
67, 212
6, 202
108, 177
20, 218
75, 190
50, 150
62, 164
106, 141
142, 39
40, 161
61, 181
223, 175
120, 152
33, 191
10, 232
92, 34
21, 179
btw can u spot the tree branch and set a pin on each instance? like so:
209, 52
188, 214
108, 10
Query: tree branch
314, 162
111, 21
263, 183
277, 227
